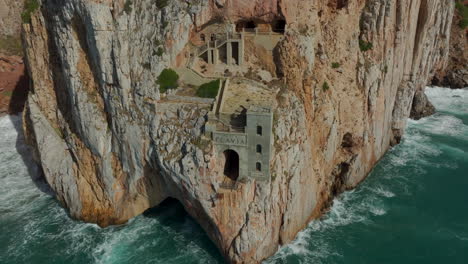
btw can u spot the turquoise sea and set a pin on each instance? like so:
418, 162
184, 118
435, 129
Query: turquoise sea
413, 208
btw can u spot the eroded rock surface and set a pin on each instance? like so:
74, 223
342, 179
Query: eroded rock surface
455, 75
111, 148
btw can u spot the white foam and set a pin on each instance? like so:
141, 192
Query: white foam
383, 192
449, 100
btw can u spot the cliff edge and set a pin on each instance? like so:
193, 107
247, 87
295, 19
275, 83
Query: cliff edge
343, 75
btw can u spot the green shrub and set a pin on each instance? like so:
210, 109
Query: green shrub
365, 46
147, 65
159, 52
161, 3
128, 7
335, 65
463, 11
208, 90
29, 7
156, 42
325, 86
167, 80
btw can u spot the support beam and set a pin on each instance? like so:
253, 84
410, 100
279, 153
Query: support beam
215, 55
241, 50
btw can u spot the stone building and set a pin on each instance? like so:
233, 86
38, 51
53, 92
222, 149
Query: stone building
242, 138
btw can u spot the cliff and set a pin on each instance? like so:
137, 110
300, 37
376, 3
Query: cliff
455, 75
10, 17
14, 82
346, 75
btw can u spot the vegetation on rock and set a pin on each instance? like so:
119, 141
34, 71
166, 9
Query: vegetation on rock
365, 46
167, 80
162, 3
209, 90
29, 7
325, 86
463, 11
128, 7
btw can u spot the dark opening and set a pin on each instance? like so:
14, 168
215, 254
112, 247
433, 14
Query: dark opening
279, 26
259, 149
204, 56
171, 216
258, 166
202, 37
231, 167
347, 141
235, 52
259, 130
341, 4
223, 54
213, 37
248, 25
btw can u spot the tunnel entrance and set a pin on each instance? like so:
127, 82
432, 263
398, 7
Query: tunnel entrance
231, 166
279, 26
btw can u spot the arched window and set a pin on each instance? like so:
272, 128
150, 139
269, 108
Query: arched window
259, 149
258, 166
259, 130
202, 37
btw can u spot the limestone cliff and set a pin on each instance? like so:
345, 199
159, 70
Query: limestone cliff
455, 75
110, 147
10, 17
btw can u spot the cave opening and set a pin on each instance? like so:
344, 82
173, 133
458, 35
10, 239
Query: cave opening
279, 26
247, 25
170, 219
231, 165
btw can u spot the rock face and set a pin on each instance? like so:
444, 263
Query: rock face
111, 149
455, 75
10, 17
14, 84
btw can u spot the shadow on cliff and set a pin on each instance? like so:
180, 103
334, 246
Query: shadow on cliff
171, 214
18, 98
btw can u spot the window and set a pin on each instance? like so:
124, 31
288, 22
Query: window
259, 130
202, 37
258, 166
259, 149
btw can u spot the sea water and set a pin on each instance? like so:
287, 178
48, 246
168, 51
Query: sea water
413, 208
